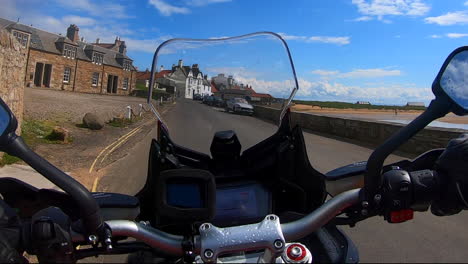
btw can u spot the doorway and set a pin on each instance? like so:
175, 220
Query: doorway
112, 82
114, 87
42, 75
46, 77
38, 74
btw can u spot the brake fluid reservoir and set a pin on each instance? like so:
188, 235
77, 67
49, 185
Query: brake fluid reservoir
296, 253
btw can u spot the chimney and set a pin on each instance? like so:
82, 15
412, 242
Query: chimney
72, 33
181, 63
195, 66
161, 68
122, 47
97, 41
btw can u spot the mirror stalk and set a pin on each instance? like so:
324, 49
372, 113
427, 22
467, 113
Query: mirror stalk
88, 206
438, 107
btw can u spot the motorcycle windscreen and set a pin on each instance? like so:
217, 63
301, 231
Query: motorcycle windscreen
200, 87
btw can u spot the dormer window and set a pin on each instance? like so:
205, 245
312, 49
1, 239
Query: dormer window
97, 58
69, 51
127, 65
23, 38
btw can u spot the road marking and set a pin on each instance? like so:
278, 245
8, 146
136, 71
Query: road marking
102, 151
119, 143
95, 184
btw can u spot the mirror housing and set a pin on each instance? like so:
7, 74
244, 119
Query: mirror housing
8, 125
446, 82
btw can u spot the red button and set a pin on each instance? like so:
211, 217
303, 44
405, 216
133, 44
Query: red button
401, 216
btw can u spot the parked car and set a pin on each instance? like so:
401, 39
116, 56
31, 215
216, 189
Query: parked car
207, 100
219, 102
239, 105
197, 97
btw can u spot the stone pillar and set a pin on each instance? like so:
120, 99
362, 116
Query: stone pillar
12, 72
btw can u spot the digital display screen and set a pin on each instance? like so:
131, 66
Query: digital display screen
184, 195
241, 203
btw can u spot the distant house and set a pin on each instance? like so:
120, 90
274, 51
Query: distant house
185, 80
143, 78
417, 104
69, 63
363, 103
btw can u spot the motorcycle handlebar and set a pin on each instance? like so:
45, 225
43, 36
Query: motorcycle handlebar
172, 244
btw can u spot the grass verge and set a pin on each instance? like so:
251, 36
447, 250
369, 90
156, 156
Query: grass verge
34, 132
123, 122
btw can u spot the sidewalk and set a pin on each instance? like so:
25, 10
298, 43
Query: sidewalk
27, 174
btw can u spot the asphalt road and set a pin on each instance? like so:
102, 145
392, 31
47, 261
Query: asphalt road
425, 239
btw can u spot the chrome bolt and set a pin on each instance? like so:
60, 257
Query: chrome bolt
365, 204
364, 212
278, 244
208, 253
271, 217
93, 239
296, 251
206, 226
377, 198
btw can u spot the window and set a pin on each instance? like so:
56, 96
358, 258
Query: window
97, 58
126, 65
66, 75
95, 79
125, 84
23, 38
69, 51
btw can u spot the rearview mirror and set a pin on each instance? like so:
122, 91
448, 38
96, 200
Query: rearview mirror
8, 124
452, 80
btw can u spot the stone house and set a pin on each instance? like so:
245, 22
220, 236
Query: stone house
71, 64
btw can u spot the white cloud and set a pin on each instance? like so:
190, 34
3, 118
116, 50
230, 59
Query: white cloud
358, 73
363, 18
321, 39
328, 90
331, 40
78, 20
466, 3
381, 8
205, 2
167, 9
94, 8
457, 35
325, 72
388, 94
451, 18
450, 35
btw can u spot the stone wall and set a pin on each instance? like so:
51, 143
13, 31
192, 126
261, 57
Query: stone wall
84, 77
12, 70
371, 133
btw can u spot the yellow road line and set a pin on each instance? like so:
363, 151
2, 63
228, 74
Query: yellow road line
118, 144
102, 151
95, 184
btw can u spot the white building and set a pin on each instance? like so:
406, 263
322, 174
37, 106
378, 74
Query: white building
198, 84
188, 81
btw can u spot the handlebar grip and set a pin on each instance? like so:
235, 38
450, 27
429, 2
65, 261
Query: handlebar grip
426, 188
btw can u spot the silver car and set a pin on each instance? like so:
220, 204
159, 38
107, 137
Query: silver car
239, 105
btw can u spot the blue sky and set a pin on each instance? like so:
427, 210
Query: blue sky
383, 51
